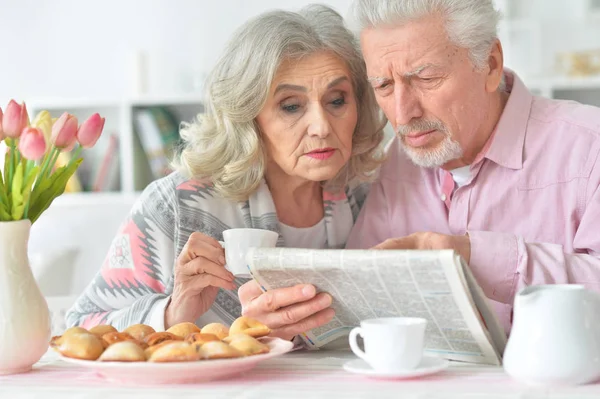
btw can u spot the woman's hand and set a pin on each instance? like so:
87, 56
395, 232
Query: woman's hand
199, 273
286, 311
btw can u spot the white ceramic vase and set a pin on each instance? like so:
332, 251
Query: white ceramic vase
24, 315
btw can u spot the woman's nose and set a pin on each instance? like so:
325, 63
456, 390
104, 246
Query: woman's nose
318, 124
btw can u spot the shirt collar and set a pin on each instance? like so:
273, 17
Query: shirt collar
505, 145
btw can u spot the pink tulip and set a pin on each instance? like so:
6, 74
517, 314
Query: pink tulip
64, 131
32, 143
15, 119
89, 132
1, 132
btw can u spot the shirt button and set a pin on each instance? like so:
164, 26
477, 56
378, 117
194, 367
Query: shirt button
443, 197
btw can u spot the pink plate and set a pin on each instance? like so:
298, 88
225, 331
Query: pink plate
182, 372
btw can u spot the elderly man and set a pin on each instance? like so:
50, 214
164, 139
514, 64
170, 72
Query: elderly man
480, 165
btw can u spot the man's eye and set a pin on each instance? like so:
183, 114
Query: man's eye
383, 86
290, 108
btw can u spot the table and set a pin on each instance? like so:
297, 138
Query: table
305, 375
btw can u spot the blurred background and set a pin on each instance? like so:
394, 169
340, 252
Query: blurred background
142, 65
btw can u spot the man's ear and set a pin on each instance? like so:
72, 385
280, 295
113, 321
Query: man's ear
495, 67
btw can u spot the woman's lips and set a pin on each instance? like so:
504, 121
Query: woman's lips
418, 139
321, 154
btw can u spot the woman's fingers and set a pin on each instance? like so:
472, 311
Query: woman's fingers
199, 244
201, 281
316, 320
203, 265
287, 311
255, 302
249, 291
293, 314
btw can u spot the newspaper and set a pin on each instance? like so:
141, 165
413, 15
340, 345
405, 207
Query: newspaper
364, 284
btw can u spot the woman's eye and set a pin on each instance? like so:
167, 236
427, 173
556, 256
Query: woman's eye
338, 102
290, 108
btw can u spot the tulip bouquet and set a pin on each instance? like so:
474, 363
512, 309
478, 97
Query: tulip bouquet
31, 180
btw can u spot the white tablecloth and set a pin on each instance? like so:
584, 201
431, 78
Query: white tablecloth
295, 375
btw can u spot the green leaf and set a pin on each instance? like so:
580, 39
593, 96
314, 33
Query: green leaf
18, 205
3, 196
4, 203
50, 188
4, 215
30, 179
24, 163
6, 169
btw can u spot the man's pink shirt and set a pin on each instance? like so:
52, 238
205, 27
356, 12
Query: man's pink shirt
531, 207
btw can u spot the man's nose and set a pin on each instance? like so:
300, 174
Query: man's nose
407, 105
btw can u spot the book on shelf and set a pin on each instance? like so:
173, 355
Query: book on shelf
107, 172
158, 133
365, 284
101, 171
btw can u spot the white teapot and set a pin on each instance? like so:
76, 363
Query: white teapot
555, 338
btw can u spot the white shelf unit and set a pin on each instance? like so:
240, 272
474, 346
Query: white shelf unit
584, 90
534, 34
134, 175
134, 172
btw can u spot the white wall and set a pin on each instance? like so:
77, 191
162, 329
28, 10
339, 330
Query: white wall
74, 48
562, 25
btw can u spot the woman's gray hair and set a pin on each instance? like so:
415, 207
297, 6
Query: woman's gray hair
471, 24
224, 143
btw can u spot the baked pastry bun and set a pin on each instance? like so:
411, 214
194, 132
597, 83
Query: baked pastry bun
102, 329
124, 351
246, 344
184, 329
67, 332
249, 326
151, 349
218, 350
158, 337
114, 337
175, 351
85, 346
139, 331
200, 338
218, 329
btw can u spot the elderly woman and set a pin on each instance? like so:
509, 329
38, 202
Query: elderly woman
290, 127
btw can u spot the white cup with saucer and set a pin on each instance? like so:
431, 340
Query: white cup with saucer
393, 347
236, 245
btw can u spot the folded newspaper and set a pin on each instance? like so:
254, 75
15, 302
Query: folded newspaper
364, 284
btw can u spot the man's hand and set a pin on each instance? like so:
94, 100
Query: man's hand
286, 311
428, 240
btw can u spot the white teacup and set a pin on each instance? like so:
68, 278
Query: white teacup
238, 241
391, 343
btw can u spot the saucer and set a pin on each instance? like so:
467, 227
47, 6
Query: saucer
429, 365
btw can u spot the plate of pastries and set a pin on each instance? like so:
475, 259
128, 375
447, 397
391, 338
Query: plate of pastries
184, 353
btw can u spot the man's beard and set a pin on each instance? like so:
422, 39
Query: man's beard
437, 156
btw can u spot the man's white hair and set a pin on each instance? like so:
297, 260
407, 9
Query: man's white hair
470, 24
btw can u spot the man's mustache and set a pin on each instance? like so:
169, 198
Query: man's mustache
422, 125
